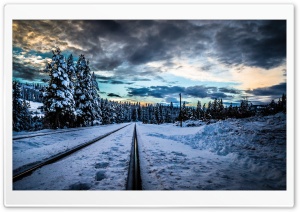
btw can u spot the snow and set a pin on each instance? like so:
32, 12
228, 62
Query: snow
29, 150
234, 154
35, 108
60, 94
101, 166
65, 83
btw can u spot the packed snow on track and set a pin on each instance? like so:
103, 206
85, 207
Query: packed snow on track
35, 149
100, 166
234, 154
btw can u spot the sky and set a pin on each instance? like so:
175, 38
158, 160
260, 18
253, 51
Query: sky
152, 61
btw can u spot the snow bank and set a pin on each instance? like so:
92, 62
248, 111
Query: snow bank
234, 154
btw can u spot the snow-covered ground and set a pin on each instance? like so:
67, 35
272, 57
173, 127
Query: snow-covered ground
235, 154
35, 108
101, 166
30, 150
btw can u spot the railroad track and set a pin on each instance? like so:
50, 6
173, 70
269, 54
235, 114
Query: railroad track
18, 137
28, 169
133, 182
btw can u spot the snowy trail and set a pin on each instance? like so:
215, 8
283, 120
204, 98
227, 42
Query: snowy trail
244, 154
101, 166
31, 150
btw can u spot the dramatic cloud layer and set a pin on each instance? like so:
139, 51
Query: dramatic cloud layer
269, 91
151, 56
113, 95
167, 91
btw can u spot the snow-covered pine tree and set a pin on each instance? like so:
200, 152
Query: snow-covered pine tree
120, 118
145, 115
208, 111
71, 71
21, 114
198, 111
105, 111
153, 113
59, 105
86, 97
129, 113
94, 80
221, 109
184, 112
168, 114
97, 113
134, 116
112, 112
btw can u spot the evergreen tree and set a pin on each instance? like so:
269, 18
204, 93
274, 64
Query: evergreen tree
198, 110
59, 105
208, 111
184, 112
86, 96
21, 114
245, 108
71, 70
105, 112
145, 114
94, 80
168, 114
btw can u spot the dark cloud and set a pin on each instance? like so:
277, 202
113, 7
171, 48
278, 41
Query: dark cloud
114, 95
197, 91
138, 91
107, 63
172, 99
27, 72
275, 90
218, 95
140, 79
153, 50
111, 80
252, 43
103, 77
104, 81
154, 91
119, 82
165, 91
230, 90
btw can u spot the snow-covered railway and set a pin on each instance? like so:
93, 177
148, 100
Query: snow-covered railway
29, 168
234, 154
106, 161
134, 181
51, 132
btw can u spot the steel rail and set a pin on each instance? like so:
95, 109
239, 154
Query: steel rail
27, 171
18, 137
134, 181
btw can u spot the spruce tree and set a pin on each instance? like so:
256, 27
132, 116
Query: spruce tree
71, 71
21, 114
58, 100
86, 97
